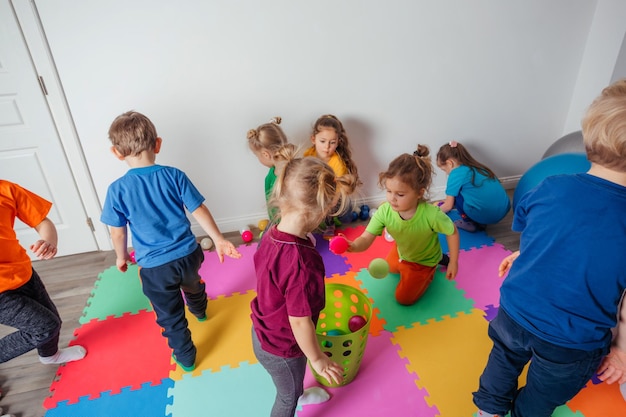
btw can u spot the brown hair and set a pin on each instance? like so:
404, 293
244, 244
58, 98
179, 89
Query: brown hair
604, 128
132, 133
330, 121
415, 170
309, 186
458, 152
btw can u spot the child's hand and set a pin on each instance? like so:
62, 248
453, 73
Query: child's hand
506, 263
452, 269
349, 249
43, 249
332, 371
613, 367
225, 247
122, 264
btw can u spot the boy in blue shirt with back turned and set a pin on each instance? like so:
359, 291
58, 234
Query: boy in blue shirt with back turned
151, 199
561, 297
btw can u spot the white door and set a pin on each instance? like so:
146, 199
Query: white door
31, 153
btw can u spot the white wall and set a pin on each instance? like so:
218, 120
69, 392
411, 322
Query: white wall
600, 63
498, 76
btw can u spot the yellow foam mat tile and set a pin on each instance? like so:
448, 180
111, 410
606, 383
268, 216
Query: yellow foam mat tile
223, 340
448, 356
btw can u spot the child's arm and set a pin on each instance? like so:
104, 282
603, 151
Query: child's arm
304, 331
447, 204
506, 263
119, 237
46, 247
454, 243
222, 246
613, 367
361, 243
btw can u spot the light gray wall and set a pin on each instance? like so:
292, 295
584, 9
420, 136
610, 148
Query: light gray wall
600, 60
498, 76
620, 66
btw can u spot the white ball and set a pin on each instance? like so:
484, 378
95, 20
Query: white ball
206, 243
388, 237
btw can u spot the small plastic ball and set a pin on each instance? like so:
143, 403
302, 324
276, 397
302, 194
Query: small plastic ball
355, 216
378, 268
132, 256
365, 214
338, 245
388, 237
246, 235
334, 332
346, 218
372, 211
263, 224
356, 323
206, 243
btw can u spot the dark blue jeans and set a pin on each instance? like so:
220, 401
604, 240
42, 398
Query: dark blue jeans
288, 377
555, 374
30, 310
162, 285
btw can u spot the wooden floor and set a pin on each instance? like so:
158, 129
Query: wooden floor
25, 382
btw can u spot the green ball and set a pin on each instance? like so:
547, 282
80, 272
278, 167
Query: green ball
378, 268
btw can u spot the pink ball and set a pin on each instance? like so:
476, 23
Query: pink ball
338, 245
132, 256
247, 236
356, 323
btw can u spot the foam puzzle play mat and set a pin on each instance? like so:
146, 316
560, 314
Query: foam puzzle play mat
422, 360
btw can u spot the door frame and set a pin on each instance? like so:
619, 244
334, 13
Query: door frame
39, 50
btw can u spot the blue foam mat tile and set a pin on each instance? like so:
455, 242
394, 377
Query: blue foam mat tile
149, 400
467, 240
247, 390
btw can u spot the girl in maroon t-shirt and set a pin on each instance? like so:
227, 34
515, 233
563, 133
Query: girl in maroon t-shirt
290, 280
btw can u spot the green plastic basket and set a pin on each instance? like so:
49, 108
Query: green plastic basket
337, 341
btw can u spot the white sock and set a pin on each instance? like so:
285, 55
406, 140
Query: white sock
482, 413
68, 354
5, 415
313, 395
622, 389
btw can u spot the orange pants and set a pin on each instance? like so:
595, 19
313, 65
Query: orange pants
414, 278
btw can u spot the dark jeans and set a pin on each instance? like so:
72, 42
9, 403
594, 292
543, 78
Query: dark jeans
30, 310
555, 374
288, 377
162, 285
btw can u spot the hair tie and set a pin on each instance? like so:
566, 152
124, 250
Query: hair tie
276, 120
416, 153
453, 143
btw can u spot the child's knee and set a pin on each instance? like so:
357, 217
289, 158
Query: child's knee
407, 298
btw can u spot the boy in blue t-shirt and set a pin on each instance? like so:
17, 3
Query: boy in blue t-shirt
561, 297
151, 199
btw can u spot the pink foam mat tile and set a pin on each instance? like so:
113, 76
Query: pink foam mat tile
232, 276
478, 274
382, 387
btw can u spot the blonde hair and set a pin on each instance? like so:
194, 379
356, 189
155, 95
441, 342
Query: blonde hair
132, 133
415, 170
604, 128
268, 136
308, 186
